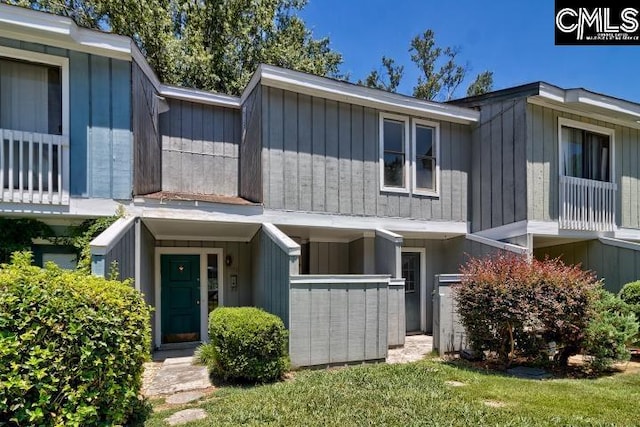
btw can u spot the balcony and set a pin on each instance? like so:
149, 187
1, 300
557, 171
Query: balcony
35, 168
587, 204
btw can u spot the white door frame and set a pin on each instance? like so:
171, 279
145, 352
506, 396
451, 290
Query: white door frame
423, 284
204, 294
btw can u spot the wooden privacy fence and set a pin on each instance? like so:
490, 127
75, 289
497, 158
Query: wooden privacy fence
338, 319
35, 167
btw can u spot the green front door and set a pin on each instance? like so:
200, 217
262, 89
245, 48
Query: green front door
180, 287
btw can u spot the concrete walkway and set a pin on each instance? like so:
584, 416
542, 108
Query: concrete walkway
415, 348
176, 375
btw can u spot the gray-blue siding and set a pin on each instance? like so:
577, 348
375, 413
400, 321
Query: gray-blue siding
101, 141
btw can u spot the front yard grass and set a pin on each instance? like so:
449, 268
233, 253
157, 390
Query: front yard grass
422, 393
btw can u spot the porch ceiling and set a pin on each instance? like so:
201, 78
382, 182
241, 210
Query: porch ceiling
545, 241
324, 234
172, 229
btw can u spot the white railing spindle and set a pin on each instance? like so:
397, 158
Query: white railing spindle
586, 204
27, 177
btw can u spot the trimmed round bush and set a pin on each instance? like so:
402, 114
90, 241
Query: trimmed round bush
72, 346
247, 344
630, 294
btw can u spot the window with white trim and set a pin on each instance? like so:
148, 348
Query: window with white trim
586, 151
409, 160
425, 157
394, 153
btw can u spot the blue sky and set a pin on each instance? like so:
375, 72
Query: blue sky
514, 39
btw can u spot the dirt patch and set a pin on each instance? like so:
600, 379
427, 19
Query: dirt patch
455, 383
494, 403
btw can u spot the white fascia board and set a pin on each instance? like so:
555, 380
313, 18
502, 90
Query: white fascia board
347, 92
46, 28
496, 244
620, 243
507, 231
339, 279
585, 97
385, 234
199, 96
396, 282
627, 234
109, 237
285, 242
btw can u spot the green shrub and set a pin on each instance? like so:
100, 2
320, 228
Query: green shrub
611, 328
72, 346
514, 307
247, 344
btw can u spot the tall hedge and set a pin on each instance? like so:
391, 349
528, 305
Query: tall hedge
72, 346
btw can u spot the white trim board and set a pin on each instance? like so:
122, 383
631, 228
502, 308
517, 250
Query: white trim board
496, 244
111, 236
359, 95
389, 235
423, 284
204, 295
338, 279
619, 243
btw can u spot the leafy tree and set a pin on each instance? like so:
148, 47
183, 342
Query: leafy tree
213, 45
17, 234
440, 72
482, 84
377, 80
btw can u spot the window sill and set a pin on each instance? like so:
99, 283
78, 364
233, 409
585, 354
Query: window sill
394, 190
426, 193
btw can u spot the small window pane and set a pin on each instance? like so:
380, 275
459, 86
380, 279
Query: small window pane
393, 136
393, 170
425, 173
424, 141
585, 154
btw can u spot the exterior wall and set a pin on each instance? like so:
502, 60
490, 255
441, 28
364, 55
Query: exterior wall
147, 152
542, 166
616, 265
337, 322
329, 258
396, 313
241, 266
100, 122
387, 256
145, 281
251, 147
124, 253
498, 173
270, 268
362, 256
322, 156
200, 148
448, 333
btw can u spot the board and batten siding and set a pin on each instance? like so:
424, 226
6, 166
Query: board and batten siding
498, 173
616, 265
251, 147
321, 155
543, 169
200, 148
123, 255
338, 321
145, 281
240, 253
147, 152
271, 267
100, 138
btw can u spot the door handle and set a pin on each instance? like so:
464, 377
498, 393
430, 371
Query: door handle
198, 302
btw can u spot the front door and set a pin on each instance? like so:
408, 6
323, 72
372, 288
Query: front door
180, 287
411, 275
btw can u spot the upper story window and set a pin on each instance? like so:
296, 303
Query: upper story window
425, 152
409, 160
33, 92
587, 151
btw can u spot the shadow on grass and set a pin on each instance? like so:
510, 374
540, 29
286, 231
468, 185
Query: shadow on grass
493, 368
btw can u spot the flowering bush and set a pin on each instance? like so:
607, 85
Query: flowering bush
515, 307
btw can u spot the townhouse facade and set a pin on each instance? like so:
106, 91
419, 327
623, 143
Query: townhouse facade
332, 205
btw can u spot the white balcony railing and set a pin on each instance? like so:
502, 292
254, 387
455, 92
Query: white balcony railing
586, 204
34, 168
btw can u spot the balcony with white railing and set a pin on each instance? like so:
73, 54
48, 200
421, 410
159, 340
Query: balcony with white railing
35, 168
587, 204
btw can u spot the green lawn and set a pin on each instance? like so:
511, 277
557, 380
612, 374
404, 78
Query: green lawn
417, 394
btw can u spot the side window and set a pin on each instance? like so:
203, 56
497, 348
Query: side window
425, 159
394, 153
